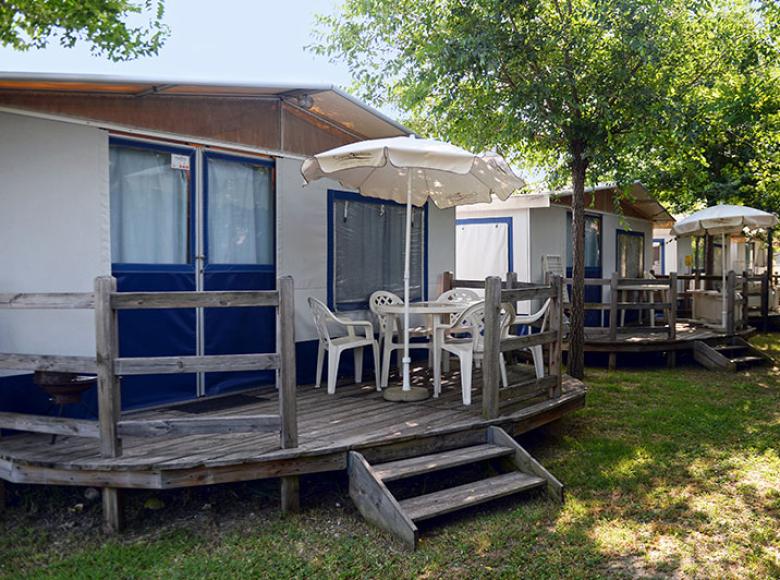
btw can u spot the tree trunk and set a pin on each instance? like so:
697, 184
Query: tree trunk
576, 359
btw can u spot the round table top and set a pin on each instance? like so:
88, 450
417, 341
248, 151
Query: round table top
425, 308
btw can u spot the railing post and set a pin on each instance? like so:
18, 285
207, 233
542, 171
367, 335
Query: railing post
731, 302
446, 281
765, 301
511, 280
109, 397
288, 409
556, 324
671, 356
745, 298
490, 364
613, 316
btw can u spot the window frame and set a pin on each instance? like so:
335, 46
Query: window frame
662, 244
191, 152
636, 234
568, 240
335, 195
207, 263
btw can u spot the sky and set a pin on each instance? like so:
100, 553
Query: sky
224, 40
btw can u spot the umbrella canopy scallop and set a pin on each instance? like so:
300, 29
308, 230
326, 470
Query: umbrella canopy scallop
441, 172
723, 219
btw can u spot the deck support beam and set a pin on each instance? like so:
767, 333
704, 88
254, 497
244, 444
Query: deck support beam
2, 496
112, 510
291, 494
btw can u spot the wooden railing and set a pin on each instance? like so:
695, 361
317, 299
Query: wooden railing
496, 400
109, 367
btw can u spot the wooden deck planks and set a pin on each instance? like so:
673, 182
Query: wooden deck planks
356, 417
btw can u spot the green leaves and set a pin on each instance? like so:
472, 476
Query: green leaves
104, 24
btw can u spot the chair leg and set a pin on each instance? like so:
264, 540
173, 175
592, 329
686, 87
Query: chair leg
387, 355
320, 363
502, 367
377, 377
358, 365
466, 363
436, 371
333, 369
538, 355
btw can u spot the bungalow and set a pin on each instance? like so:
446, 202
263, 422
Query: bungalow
525, 232
171, 185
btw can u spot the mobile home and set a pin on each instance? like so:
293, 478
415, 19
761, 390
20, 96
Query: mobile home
171, 185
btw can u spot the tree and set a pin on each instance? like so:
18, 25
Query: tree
573, 85
725, 145
104, 24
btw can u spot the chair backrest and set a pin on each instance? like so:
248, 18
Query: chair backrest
382, 298
458, 295
473, 320
529, 319
321, 314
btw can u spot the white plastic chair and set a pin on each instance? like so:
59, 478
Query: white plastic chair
335, 345
464, 337
458, 295
529, 319
389, 330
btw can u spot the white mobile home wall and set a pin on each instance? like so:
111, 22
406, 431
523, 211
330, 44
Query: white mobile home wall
55, 221
54, 225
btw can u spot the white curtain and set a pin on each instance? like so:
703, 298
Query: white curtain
481, 250
631, 254
149, 207
240, 213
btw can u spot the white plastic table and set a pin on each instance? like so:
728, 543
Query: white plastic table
428, 309
640, 289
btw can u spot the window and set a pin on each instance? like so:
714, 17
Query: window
367, 239
630, 254
659, 257
592, 241
240, 212
149, 206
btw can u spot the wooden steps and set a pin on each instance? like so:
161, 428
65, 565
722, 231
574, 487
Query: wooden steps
728, 354
442, 502
438, 461
513, 471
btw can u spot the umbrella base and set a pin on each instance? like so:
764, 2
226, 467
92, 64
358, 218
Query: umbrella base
398, 394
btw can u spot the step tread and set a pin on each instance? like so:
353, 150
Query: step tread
401, 468
727, 347
746, 359
455, 498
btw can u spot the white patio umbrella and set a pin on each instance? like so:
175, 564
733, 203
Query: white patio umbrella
723, 219
412, 171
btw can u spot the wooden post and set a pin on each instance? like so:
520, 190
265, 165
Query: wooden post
446, 281
288, 409
2, 496
109, 398
511, 280
765, 302
556, 324
731, 302
745, 299
490, 364
613, 316
671, 356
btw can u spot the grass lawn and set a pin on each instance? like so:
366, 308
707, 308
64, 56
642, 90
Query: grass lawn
667, 473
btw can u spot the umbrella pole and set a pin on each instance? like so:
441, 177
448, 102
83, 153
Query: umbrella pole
407, 261
407, 392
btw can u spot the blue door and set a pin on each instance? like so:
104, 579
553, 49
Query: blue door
152, 249
171, 231
239, 254
593, 267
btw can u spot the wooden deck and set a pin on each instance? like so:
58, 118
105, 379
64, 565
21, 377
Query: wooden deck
643, 339
355, 418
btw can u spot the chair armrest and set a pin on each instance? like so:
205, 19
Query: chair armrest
351, 324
